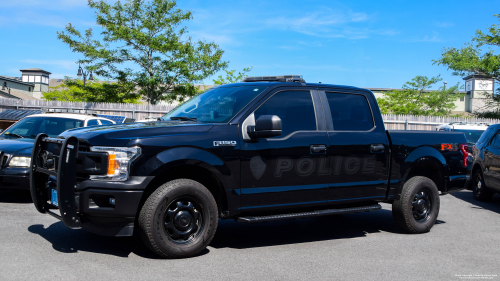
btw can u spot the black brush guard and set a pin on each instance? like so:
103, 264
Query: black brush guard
63, 166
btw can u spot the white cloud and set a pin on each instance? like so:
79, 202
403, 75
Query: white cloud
434, 38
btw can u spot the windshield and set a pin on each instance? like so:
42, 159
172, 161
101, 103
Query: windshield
471, 135
30, 127
217, 105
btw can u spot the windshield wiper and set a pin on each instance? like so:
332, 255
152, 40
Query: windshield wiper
184, 118
13, 134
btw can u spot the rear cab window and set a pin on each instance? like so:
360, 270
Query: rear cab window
350, 112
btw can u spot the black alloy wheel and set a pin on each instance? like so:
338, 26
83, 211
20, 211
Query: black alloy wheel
479, 189
417, 208
179, 219
183, 220
422, 205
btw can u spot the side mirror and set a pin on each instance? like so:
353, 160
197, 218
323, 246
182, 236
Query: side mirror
266, 126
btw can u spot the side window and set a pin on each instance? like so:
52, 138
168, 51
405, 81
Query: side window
295, 108
92, 122
105, 122
486, 135
350, 112
496, 141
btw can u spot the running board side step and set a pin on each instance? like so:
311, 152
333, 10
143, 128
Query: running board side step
310, 214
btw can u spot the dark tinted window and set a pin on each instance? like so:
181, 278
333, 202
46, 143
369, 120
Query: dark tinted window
92, 122
105, 122
350, 112
295, 108
486, 135
496, 140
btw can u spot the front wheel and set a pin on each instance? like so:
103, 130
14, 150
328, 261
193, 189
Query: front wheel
479, 188
179, 219
417, 208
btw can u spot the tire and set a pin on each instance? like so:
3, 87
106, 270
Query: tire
417, 208
179, 219
479, 188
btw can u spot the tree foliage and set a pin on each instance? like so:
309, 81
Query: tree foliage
231, 77
143, 43
471, 59
93, 91
416, 99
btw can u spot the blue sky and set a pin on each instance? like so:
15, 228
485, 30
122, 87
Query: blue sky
358, 43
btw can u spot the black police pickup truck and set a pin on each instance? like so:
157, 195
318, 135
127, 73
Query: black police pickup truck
265, 149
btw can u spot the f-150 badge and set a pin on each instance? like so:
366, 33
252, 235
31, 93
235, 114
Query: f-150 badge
224, 143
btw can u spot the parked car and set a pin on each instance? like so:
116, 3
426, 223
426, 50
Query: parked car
472, 131
266, 149
16, 142
486, 166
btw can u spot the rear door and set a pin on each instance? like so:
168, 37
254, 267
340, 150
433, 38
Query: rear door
359, 148
287, 171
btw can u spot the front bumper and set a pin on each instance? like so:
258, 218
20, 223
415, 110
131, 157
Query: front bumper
105, 208
15, 178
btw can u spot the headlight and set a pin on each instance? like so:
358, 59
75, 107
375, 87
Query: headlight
119, 159
20, 162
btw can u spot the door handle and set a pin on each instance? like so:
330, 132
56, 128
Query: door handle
318, 148
377, 148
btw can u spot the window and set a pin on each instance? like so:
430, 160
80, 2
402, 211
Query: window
31, 78
105, 122
38, 79
92, 122
295, 108
29, 89
216, 105
25, 78
462, 98
350, 112
486, 135
30, 127
496, 141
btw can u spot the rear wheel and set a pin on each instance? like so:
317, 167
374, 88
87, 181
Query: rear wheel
479, 188
179, 219
417, 208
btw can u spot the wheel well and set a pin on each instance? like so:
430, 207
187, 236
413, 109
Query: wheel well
430, 169
201, 175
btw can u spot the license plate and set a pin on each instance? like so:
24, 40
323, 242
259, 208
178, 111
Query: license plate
54, 198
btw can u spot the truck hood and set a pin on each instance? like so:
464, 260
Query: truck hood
121, 134
17, 147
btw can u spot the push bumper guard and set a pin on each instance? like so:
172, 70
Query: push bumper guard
54, 157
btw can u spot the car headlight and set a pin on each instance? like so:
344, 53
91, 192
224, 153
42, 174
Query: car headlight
119, 159
20, 162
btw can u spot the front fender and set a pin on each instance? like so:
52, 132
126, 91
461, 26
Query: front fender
190, 156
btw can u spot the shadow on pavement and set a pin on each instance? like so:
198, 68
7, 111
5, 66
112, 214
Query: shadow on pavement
15, 196
231, 234
66, 240
493, 205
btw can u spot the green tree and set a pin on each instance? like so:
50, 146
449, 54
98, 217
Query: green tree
416, 99
231, 77
471, 59
93, 91
142, 43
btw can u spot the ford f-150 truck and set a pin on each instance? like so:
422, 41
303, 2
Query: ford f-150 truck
269, 148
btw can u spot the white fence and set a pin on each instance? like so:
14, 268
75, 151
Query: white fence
428, 123
140, 111
134, 111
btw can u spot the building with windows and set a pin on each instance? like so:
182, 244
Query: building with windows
32, 83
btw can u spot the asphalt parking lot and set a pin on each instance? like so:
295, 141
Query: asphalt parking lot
464, 244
